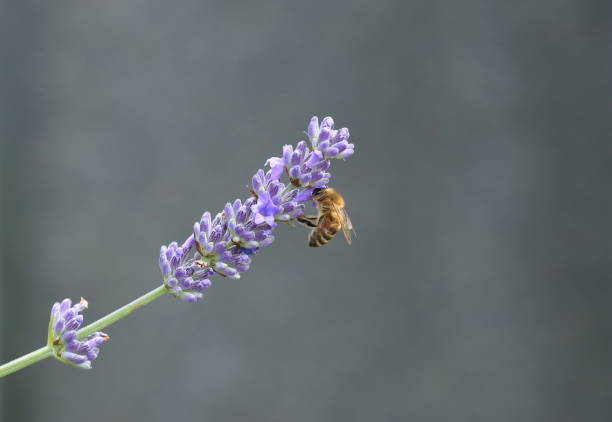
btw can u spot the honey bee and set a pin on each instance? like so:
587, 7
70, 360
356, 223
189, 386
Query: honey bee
332, 217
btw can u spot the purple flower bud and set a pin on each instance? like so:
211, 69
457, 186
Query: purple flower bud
241, 215
69, 336
72, 345
317, 175
96, 339
327, 122
332, 152
274, 188
324, 136
74, 323
243, 266
92, 354
314, 158
323, 145
287, 152
69, 314
205, 222
295, 158
74, 358
347, 152
305, 178
342, 135
181, 272
294, 172
188, 244
313, 128
186, 283
58, 328
228, 210
250, 244
65, 305
165, 269
223, 268
266, 242
301, 147
191, 297
341, 146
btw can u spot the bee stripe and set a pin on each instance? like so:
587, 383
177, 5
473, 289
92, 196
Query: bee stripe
316, 238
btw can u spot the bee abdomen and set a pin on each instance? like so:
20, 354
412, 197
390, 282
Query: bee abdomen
322, 234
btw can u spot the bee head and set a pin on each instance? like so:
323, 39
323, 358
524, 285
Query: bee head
316, 192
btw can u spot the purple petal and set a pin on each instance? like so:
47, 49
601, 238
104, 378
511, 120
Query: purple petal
277, 171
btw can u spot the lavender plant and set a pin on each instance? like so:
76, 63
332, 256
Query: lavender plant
222, 245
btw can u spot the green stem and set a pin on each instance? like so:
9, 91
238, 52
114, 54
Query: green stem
121, 312
25, 360
45, 352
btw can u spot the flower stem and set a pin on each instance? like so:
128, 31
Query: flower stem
25, 360
121, 312
45, 352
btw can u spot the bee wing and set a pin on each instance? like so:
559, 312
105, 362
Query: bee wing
345, 223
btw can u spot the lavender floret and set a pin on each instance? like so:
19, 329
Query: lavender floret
62, 337
223, 245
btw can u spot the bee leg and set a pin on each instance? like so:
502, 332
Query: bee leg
310, 221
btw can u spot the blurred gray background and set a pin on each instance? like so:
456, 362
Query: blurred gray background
478, 288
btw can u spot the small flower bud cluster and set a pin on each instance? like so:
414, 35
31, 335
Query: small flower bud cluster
224, 244
62, 336
329, 142
181, 275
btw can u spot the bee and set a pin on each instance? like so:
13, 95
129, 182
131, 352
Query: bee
332, 217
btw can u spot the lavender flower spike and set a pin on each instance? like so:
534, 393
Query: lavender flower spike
62, 336
223, 245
